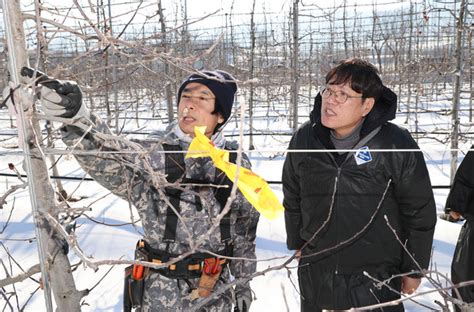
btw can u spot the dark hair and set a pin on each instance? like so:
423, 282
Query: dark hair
362, 77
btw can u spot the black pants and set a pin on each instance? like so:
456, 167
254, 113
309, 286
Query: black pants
462, 267
321, 289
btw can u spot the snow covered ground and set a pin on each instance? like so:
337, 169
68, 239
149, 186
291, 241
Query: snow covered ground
274, 291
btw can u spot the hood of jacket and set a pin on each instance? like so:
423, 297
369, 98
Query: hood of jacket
384, 110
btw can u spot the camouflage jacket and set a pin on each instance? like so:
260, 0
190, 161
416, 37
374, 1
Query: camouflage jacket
137, 174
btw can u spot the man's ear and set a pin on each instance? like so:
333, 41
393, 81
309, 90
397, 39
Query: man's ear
220, 118
368, 104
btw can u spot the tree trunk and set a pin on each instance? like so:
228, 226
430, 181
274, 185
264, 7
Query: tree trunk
471, 73
408, 63
164, 44
114, 72
56, 274
42, 50
296, 80
457, 89
344, 29
252, 74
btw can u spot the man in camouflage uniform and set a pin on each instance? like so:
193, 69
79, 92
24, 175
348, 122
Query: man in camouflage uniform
137, 174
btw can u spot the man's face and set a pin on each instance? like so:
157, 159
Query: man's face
195, 108
343, 116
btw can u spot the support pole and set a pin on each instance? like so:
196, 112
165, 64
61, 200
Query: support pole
15, 40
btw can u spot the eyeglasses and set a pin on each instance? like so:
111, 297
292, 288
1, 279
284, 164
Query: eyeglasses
339, 96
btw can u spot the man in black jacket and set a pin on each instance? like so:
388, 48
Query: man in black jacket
349, 213
460, 202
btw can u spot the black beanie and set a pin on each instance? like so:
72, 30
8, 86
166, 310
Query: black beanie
223, 87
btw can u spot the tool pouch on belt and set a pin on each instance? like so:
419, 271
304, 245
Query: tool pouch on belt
209, 277
134, 282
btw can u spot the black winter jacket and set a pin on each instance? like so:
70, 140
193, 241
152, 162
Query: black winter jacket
351, 234
461, 195
461, 199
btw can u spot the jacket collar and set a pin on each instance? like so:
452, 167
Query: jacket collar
174, 135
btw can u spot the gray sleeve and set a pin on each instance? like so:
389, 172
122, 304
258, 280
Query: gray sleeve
245, 234
118, 164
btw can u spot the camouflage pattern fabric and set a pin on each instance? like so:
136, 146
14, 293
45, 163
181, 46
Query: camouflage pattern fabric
170, 295
136, 174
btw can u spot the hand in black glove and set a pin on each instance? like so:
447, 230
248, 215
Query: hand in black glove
58, 98
64, 99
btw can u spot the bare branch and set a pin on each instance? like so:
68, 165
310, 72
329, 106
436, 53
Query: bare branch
21, 277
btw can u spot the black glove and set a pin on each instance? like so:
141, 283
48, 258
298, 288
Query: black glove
63, 101
58, 98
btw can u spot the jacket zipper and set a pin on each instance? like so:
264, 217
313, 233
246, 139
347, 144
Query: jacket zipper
364, 140
335, 216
